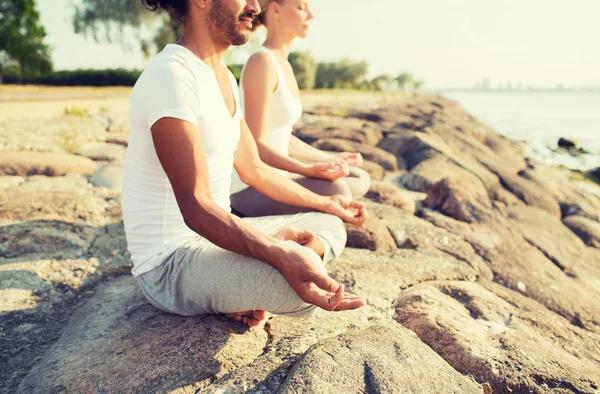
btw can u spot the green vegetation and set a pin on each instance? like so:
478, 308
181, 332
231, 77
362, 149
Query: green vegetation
107, 20
76, 111
305, 68
22, 48
69, 140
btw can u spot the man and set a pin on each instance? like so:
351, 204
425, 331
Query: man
187, 133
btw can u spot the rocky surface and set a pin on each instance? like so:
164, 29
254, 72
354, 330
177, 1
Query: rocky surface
476, 263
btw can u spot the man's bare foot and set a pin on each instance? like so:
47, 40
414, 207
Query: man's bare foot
302, 237
250, 318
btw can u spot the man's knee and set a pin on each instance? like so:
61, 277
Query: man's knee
303, 311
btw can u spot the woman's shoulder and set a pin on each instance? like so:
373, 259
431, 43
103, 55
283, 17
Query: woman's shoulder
260, 66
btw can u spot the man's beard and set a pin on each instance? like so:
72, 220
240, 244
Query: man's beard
226, 24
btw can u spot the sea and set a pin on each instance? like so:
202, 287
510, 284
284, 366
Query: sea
540, 119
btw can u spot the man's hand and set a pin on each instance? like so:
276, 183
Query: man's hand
300, 267
354, 159
329, 171
353, 212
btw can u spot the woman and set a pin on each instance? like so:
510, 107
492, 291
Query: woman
271, 101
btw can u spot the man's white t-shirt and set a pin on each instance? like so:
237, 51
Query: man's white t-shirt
175, 84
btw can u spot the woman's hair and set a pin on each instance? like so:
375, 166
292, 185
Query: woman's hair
177, 8
261, 18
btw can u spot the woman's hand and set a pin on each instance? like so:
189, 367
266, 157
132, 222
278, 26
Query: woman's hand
330, 171
353, 212
354, 159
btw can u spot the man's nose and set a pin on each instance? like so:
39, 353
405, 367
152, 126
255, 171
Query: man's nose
253, 6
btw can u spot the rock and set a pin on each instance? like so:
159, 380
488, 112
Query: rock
44, 267
411, 232
408, 147
379, 156
566, 143
514, 259
102, 151
117, 139
6, 182
549, 235
45, 240
530, 193
49, 164
73, 183
586, 229
373, 236
348, 129
289, 340
380, 276
594, 174
16, 206
109, 176
429, 254
386, 193
572, 198
380, 359
500, 337
466, 201
429, 172
140, 348
375, 171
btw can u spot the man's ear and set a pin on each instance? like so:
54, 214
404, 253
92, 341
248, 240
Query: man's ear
200, 3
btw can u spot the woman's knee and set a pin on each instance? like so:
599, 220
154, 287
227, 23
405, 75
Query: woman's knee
341, 188
359, 182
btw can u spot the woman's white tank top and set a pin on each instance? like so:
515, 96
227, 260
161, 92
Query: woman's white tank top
284, 112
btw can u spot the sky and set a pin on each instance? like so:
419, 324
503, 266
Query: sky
446, 43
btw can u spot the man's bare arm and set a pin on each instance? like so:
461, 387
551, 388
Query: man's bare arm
178, 147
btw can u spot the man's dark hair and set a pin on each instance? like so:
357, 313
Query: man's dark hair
177, 8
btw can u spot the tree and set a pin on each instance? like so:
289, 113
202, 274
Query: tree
22, 38
382, 82
404, 79
305, 69
108, 20
418, 85
344, 74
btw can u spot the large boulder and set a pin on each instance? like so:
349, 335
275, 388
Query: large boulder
571, 196
349, 129
388, 193
102, 151
374, 170
16, 206
110, 176
500, 337
379, 359
45, 269
466, 201
530, 193
118, 342
586, 229
524, 266
289, 339
549, 235
379, 156
117, 138
38, 163
594, 174
374, 235
9, 181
